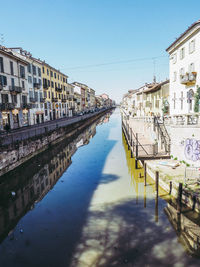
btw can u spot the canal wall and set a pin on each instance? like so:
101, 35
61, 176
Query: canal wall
20, 146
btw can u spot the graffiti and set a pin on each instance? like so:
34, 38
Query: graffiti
192, 149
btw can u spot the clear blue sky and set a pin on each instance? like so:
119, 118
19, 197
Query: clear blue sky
73, 33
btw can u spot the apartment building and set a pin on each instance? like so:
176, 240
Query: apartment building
35, 90
55, 92
14, 107
184, 65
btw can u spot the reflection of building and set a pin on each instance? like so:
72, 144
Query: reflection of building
186, 227
22, 187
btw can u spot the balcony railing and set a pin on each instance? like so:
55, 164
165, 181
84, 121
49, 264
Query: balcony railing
188, 78
15, 89
7, 106
33, 99
37, 85
26, 105
58, 89
54, 99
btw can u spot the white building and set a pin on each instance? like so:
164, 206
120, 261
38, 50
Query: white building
35, 89
14, 107
184, 70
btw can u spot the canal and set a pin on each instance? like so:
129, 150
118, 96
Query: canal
82, 203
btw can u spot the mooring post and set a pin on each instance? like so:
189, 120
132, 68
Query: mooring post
179, 199
157, 183
131, 153
170, 187
145, 174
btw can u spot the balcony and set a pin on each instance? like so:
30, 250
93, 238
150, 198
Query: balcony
26, 105
58, 89
188, 78
54, 99
33, 99
15, 89
36, 85
7, 106
45, 86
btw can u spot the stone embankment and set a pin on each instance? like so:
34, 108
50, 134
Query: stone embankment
22, 144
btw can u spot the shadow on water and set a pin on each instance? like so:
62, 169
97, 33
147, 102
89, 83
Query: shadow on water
48, 234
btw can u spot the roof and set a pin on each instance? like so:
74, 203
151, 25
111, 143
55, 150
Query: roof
184, 33
155, 87
9, 53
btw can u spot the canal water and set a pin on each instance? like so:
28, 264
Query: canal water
83, 203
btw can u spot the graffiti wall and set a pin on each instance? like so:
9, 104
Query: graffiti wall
192, 149
185, 144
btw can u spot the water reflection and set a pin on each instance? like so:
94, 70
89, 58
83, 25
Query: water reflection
187, 227
21, 188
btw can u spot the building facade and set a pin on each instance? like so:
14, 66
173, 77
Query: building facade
184, 65
14, 107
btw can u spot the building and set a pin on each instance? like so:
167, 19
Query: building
14, 107
55, 92
183, 68
35, 89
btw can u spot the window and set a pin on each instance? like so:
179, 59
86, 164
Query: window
14, 99
49, 95
58, 76
174, 99
12, 82
174, 77
34, 70
55, 85
29, 68
29, 79
1, 65
34, 80
43, 70
192, 46
182, 53
52, 84
4, 98
63, 79
51, 73
39, 81
174, 58
23, 85
24, 99
11, 68
3, 80
182, 71
54, 75
49, 83
47, 72
22, 71
181, 99
39, 72
191, 67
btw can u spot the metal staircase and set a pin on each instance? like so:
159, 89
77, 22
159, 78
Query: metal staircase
162, 133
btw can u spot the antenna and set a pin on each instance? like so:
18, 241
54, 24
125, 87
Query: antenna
2, 39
